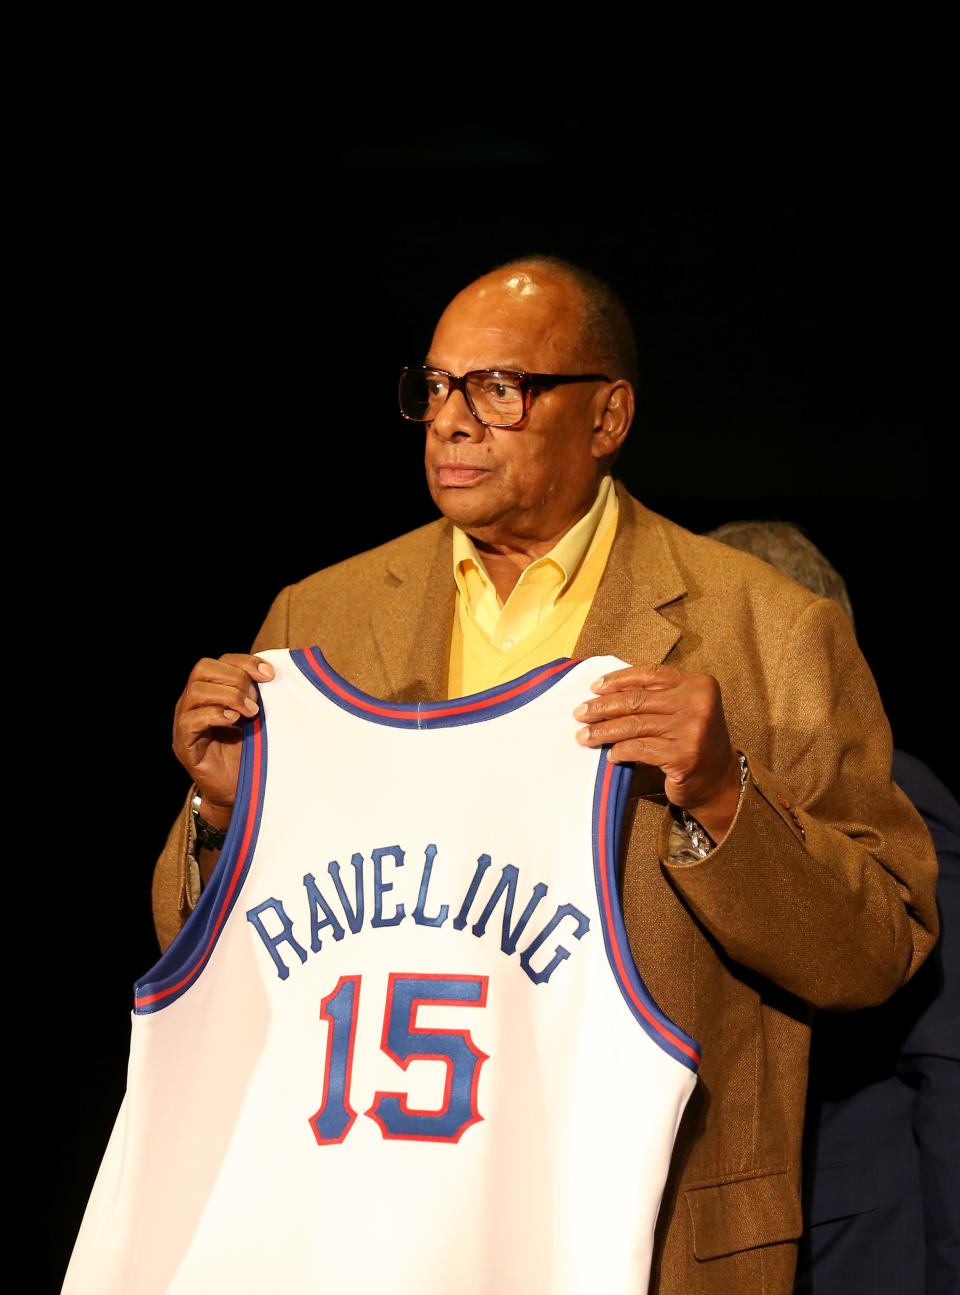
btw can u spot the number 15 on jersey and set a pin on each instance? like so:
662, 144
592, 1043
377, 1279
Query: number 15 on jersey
403, 1040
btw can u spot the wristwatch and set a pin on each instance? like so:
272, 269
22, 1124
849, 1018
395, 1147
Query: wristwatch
699, 838
206, 836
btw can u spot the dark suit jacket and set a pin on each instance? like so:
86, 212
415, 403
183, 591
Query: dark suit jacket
882, 1190
822, 892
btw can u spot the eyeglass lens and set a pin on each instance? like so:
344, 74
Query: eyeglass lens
492, 396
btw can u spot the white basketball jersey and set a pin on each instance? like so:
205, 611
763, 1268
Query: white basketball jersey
401, 1044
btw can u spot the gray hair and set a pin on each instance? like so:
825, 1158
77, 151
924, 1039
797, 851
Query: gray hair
787, 548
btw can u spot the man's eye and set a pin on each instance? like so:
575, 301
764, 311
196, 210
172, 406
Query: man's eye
502, 391
434, 387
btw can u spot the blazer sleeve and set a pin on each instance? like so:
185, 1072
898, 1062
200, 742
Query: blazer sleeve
176, 882
825, 882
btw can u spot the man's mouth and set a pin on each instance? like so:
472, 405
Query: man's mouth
459, 474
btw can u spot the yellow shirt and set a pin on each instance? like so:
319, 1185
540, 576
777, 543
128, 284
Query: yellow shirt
544, 614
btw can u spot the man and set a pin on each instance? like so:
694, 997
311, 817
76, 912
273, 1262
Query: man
769, 864
881, 1189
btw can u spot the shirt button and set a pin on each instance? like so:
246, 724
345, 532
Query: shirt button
509, 643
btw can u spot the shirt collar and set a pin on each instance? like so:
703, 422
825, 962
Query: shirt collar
564, 558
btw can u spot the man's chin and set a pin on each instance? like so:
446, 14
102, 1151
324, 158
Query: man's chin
466, 505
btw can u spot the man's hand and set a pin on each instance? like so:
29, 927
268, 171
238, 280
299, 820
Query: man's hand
657, 715
206, 732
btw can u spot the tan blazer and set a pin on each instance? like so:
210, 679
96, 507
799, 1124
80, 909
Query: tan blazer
822, 892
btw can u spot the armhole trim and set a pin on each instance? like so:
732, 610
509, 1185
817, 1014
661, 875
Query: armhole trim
609, 802
184, 960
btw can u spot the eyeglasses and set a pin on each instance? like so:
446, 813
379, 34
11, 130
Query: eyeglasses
495, 397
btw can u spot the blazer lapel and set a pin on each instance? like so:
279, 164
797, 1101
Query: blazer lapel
641, 576
411, 625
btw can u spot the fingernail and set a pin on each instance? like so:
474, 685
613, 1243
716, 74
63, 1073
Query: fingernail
250, 706
598, 683
231, 715
265, 671
582, 735
580, 712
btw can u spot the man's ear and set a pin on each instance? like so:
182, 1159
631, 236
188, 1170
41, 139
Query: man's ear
612, 418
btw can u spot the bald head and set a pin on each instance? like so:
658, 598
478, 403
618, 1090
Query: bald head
605, 338
528, 318
579, 318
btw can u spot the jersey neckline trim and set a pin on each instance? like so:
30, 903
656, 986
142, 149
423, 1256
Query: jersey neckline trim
472, 709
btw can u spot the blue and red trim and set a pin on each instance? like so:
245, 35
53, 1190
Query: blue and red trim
609, 801
434, 714
189, 953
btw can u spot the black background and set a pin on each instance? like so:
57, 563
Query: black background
244, 272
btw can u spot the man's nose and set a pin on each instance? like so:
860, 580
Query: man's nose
456, 422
